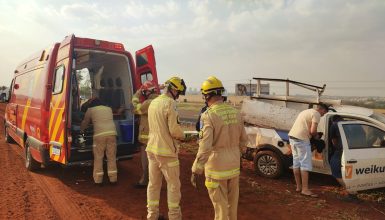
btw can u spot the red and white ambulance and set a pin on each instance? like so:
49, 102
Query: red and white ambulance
44, 107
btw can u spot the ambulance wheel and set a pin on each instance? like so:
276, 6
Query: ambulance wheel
30, 163
268, 164
8, 138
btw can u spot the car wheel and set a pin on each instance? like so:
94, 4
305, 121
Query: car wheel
8, 138
30, 163
268, 164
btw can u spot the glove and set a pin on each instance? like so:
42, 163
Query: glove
162, 86
193, 180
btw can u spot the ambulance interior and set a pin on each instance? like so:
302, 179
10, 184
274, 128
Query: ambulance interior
107, 76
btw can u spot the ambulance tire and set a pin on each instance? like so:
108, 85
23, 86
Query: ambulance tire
268, 164
8, 138
30, 163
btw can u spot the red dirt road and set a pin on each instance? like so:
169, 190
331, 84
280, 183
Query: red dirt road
69, 193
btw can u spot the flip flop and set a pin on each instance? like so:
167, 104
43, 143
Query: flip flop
310, 195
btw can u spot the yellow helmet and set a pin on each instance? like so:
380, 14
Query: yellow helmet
212, 85
177, 84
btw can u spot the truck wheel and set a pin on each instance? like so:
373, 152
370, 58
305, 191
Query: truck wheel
268, 164
30, 163
8, 138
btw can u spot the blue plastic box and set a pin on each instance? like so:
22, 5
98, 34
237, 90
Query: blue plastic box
126, 130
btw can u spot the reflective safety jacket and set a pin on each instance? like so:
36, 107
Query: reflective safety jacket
102, 120
221, 137
142, 110
164, 127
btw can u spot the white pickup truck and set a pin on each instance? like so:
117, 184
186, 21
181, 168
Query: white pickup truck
269, 118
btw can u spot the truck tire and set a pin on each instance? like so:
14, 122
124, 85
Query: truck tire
30, 163
268, 164
8, 138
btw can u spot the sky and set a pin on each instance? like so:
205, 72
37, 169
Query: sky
340, 43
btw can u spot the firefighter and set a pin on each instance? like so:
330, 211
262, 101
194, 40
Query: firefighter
221, 137
149, 92
162, 149
104, 139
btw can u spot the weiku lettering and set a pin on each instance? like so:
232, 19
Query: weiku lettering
370, 170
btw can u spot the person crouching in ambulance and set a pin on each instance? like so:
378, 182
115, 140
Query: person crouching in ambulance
104, 139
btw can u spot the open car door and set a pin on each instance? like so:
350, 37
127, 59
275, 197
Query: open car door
59, 105
145, 67
363, 158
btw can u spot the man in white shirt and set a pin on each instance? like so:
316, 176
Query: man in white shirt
304, 127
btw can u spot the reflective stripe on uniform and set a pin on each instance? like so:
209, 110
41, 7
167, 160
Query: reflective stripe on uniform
159, 150
138, 111
105, 133
143, 136
173, 205
99, 173
152, 203
112, 172
211, 184
173, 164
222, 174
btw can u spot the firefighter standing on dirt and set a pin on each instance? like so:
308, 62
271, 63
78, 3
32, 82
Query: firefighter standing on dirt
162, 150
221, 137
104, 139
148, 92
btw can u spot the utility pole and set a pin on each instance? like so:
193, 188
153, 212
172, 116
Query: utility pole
250, 88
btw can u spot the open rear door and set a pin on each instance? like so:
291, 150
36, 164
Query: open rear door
58, 118
145, 66
363, 159
11, 115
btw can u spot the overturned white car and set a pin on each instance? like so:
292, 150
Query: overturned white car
269, 119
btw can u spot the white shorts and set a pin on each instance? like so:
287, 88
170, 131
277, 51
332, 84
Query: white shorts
301, 154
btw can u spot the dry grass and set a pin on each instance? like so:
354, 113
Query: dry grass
374, 195
190, 106
380, 111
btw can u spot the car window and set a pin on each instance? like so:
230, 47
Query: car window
361, 136
141, 59
146, 77
58, 80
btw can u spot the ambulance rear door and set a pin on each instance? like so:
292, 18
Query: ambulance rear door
11, 112
59, 104
363, 159
145, 66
